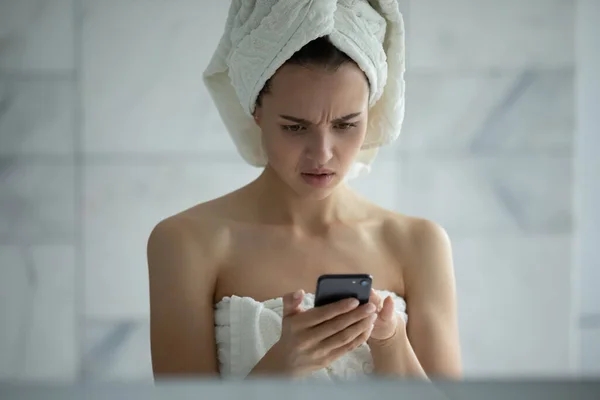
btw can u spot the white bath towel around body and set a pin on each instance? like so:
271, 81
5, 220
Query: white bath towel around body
245, 329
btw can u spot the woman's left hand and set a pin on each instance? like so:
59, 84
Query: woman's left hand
387, 322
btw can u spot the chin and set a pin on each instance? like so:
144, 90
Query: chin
317, 195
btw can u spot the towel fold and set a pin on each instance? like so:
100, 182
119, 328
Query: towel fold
260, 35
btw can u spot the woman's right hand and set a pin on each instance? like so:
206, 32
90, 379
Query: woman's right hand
312, 339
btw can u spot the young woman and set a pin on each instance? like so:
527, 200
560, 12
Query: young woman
231, 280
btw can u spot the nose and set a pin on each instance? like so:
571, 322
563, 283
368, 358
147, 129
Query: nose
320, 147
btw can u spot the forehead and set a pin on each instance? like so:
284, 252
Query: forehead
314, 87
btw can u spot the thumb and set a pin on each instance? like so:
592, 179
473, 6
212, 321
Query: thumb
387, 311
292, 303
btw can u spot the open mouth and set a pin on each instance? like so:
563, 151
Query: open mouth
319, 174
319, 179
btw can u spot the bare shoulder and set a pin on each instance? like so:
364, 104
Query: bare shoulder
184, 253
193, 232
201, 233
414, 236
424, 250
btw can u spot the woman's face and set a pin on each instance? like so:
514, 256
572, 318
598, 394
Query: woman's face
313, 124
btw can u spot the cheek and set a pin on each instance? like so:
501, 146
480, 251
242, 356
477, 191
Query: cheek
360, 138
351, 144
280, 149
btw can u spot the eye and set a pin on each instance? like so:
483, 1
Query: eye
292, 128
345, 126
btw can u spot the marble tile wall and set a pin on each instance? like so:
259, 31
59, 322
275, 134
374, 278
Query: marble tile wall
487, 152
40, 271
106, 128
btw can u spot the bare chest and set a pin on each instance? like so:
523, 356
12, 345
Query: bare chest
265, 265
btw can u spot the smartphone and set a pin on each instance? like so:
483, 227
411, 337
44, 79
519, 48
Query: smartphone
336, 287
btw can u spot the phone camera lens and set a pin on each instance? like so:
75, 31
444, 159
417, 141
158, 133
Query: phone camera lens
364, 283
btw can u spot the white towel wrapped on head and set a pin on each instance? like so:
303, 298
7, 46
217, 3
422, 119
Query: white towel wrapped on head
261, 35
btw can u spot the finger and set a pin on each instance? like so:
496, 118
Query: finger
340, 351
341, 322
335, 354
355, 333
318, 315
292, 303
387, 310
375, 298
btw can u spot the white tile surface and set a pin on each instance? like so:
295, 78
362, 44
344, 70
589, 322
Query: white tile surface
490, 34
142, 76
122, 205
475, 113
117, 351
590, 352
36, 35
37, 202
479, 196
381, 185
38, 340
514, 305
37, 117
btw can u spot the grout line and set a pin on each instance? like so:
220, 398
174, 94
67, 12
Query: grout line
177, 157
500, 154
100, 320
484, 71
81, 158
65, 241
78, 156
38, 76
132, 158
67, 75
40, 159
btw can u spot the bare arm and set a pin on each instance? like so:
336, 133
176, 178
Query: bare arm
431, 301
182, 279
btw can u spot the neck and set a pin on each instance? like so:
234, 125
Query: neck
278, 204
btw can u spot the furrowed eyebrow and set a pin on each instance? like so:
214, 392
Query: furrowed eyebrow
346, 117
295, 119
306, 122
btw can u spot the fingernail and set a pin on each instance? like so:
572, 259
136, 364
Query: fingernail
353, 303
371, 308
373, 317
297, 294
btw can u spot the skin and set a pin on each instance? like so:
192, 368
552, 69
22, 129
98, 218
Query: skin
278, 234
